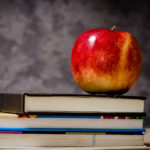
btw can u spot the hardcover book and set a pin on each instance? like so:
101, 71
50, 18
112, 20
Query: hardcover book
68, 140
46, 103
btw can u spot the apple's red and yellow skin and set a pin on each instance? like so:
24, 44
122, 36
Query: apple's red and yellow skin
106, 61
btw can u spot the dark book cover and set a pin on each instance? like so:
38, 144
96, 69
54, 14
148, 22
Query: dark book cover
13, 103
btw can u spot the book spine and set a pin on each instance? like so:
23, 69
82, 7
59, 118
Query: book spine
12, 103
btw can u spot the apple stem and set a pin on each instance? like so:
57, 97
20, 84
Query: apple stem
115, 28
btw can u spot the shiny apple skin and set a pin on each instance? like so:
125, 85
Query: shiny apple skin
105, 61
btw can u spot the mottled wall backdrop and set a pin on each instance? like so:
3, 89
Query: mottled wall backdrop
37, 36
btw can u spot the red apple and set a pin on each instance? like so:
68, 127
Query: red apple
106, 61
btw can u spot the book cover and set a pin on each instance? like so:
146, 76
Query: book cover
108, 131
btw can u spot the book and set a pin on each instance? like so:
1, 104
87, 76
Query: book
46, 103
68, 140
64, 130
85, 148
94, 122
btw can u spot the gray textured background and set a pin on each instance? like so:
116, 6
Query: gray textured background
36, 39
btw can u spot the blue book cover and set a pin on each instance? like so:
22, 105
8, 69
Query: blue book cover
121, 131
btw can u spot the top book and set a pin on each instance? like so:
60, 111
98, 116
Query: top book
70, 103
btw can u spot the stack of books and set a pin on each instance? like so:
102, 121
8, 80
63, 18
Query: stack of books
47, 120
